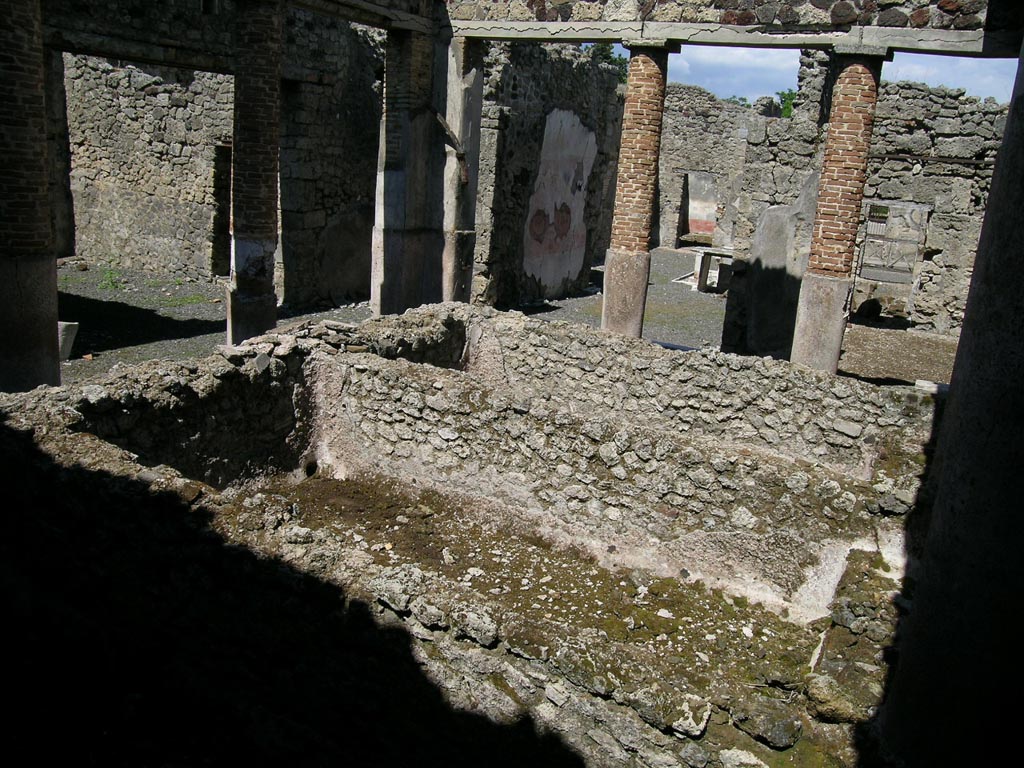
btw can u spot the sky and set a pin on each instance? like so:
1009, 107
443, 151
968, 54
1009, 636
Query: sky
755, 72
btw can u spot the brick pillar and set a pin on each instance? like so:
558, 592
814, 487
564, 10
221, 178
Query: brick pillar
408, 237
826, 286
627, 264
28, 266
465, 100
252, 304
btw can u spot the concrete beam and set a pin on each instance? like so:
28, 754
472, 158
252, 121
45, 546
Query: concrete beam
142, 51
973, 43
364, 12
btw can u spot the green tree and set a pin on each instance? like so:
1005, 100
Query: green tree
786, 99
604, 53
743, 101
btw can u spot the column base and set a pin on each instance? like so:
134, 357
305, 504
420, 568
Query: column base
250, 316
821, 321
457, 263
407, 269
29, 354
625, 291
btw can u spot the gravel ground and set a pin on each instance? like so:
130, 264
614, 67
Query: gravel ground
128, 316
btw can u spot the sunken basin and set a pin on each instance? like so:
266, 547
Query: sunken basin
466, 536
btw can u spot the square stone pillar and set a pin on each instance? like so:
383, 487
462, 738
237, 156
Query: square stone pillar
28, 266
627, 263
462, 165
255, 160
825, 290
408, 235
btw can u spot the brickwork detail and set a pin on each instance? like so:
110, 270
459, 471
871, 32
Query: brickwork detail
638, 153
407, 88
843, 173
256, 149
24, 195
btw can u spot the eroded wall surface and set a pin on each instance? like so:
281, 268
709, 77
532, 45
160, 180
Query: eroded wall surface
525, 85
151, 162
555, 240
653, 566
144, 143
939, 14
941, 146
931, 160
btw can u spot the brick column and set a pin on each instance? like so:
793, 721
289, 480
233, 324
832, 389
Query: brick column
28, 266
826, 286
252, 304
462, 164
627, 264
408, 239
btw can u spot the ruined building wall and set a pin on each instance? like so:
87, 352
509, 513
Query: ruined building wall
156, 211
151, 162
937, 148
549, 145
331, 108
932, 154
703, 144
749, 161
937, 14
647, 642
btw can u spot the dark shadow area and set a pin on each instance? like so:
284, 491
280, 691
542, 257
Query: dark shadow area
107, 325
220, 237
539, 308
139, 637
889, 322
871, 753
760, 310
880, 381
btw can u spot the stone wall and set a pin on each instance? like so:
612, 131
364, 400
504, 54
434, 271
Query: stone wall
520, 179
937, 148
145, 170
938, 14
702, 135
331, 108
652, 594
931, 159
151, 162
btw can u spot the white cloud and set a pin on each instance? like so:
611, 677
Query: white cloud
776, 59
979, 77
755, 72
749, 72
678, 69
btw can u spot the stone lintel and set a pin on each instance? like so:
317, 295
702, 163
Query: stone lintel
859, 50
975, 43
107, 46
651, 42
363, 12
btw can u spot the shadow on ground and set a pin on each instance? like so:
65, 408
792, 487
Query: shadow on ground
107, 325
137, 636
